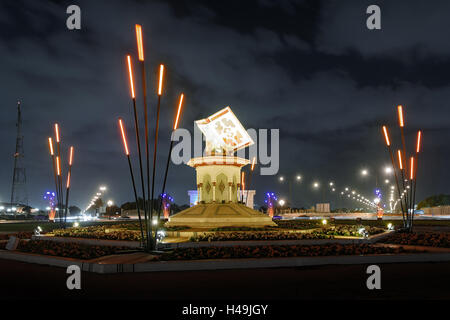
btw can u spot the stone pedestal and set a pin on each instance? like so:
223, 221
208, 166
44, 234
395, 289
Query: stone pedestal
218, 187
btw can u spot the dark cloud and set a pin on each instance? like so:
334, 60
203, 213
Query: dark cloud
310, 68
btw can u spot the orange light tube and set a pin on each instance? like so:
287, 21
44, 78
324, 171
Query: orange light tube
419, 140
68, 181
386, 136
400, 116
58, 168
57, 132
50, 145
130, 71
124, 138
161, 76
139, 42
253, 163
411, 174
400, 162
71, 156
175, 126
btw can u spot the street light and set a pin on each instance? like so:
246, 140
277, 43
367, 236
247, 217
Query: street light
290, 180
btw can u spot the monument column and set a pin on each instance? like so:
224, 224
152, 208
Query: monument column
214, 191
199, 192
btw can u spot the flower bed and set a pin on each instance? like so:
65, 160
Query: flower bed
125, 232
243, 229
268, 235
64, 249
99, 232
350, 230
298, 224
420, 239
274, 251
323, 233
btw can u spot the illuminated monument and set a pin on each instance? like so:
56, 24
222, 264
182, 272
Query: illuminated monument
218, 177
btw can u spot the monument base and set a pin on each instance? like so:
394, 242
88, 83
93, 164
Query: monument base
214, 215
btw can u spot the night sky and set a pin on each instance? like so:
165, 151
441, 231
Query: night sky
310, 68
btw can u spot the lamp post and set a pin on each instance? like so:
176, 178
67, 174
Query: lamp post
281, 203
290, 180
316, 186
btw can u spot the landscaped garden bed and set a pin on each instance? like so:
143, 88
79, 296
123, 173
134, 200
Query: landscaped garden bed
124, 232
65, 249
419, 239
298, 224
231, 228
283, 234
99, 232
131, 232
20, 235
260, 235
275, 251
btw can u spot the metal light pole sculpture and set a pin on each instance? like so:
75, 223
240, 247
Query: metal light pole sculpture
68, 183
52, 154
62, 204
155, 149
127, 154
58, 171
418, 143
138, 142
175, 127
140, 46
408, 174
388, 144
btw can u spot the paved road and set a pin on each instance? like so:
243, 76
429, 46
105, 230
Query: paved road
399, 281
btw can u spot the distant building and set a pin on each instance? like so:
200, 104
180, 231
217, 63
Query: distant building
323, 207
